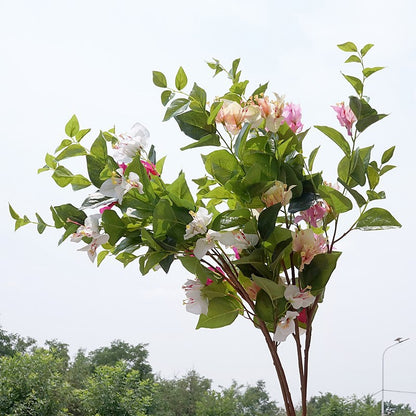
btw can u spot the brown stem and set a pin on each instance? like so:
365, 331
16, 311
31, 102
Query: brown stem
296, 335
233, 277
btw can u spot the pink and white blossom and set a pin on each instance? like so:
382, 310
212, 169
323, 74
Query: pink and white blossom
231, 115
285, 326
308, 244
314, 215
91, 248
199, 224
195, 302
345, 116
298, 298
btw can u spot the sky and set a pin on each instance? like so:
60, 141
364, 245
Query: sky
95, 59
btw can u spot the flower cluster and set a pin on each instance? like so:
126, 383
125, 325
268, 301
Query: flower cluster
259, 111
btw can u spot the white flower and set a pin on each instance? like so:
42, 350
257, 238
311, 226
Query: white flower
116, 186
195, 303
285, 327
203, 245
91, 248
299, 298
236, 239
130, 143
89, 229
199, 224
133, 181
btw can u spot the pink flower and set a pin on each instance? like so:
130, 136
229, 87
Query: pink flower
272, 111
109, 206
313, 216
308, 244
231, 115
292, 115
150, 168
345, 116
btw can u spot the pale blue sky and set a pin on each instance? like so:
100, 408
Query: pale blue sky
94, 58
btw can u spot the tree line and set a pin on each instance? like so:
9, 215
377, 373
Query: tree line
117, 380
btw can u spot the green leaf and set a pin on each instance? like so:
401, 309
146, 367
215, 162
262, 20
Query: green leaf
358, 169
368, 121
353, 58
99, 148
176, 107
181, 79
41, 224
302, 203
240, 142
215, 108
376, 219
355, 82
159, 79
230, 218
222, 165
81, 134
386, 168
166, 96
373, 177
67, 215
273, 289
72, 127
365, 49
208, 140
359, 199
64, 143
348, 47
369, 71
101, 256
62, 176
20, 222
198, 98
260, 90
79, 182
150, 260
222, 311
387, 155
373, 195
72, 150
126, 258
267, 220
335, 199
264, 307
113, 226
50, 161
194, 124
336, 137
312, 157
317, 273
13, 213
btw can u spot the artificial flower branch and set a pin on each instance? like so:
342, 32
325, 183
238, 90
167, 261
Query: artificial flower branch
256, 237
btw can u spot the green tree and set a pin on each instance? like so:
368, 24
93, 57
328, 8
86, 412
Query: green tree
116, 391
33, 384
134, 356
178, 397
11, 344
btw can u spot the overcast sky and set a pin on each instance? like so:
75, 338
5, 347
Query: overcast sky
94, 59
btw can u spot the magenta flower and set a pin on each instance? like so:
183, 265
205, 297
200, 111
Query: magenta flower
345, 116
292, 115
150, 168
